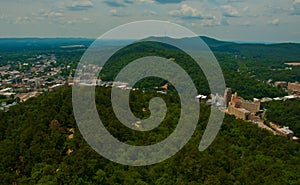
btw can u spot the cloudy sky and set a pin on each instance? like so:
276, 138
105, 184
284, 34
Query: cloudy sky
236, 20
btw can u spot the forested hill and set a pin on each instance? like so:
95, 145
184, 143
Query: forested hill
37, 147
40, 44
256, 50
259, 50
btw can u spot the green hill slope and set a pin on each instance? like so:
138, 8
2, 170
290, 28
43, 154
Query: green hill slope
36, 148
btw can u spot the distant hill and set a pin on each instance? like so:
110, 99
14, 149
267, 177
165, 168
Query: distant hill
282, 50
13, 44
215, 45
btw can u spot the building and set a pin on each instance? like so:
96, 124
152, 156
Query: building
253, 107
6, 90
294, 87
289, 133
290, 97
292, 63
201, 98
227, 96
281, 84
55, 87
217, 100
284, 131
25, 96
70, 79
242, 108
240, 113
38, 83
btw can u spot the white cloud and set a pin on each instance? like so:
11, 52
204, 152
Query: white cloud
116, 13
169, 1
80, 5
209, 23
55, 14
23, 20
296, 7
146, 1
214, 22
188, 12
71, 21
149, 13
113, 11
274, 22
255, 19
48, 16
119, 3
51, 14
246, 24
229, 11
4, 18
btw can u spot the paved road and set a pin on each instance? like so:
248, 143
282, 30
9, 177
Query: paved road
262, 125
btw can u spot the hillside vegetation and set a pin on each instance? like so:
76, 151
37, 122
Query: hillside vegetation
35, 148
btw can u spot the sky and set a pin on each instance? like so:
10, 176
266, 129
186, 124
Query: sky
230, 20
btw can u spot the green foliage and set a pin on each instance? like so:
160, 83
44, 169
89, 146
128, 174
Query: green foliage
138, 50
34, 146
242, 82
285, 113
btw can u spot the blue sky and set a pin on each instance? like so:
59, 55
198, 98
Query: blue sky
237, 20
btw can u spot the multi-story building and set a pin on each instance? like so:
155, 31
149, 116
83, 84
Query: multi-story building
294, 87
253, 107
227, 96
217, 100
281, 84
238, 111
242, 108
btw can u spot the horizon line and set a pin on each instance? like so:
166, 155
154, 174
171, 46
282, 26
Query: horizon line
93, 38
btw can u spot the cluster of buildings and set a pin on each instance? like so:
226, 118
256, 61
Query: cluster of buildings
247, 110
241, 108
250, 110
236, 105
232, 104
284, 131
291, 87
294, 87
21, 81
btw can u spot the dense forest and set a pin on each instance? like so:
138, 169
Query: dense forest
285, 113
246, 67
38, 144
261, 61
36, 148
242, 82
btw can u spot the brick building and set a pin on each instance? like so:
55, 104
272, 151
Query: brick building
242, 108
294, 87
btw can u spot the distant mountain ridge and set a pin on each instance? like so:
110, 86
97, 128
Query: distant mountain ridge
283, 50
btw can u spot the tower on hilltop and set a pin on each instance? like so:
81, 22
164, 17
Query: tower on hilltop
227, 96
